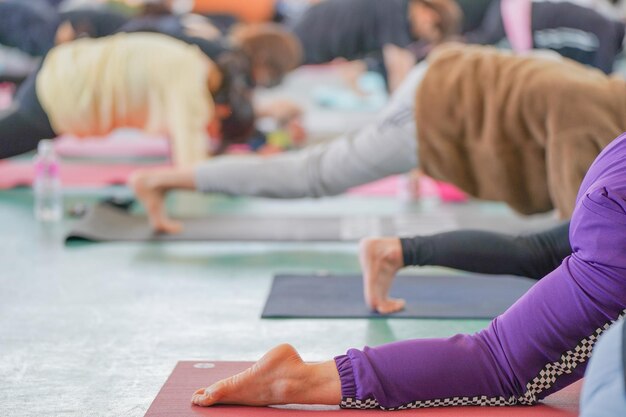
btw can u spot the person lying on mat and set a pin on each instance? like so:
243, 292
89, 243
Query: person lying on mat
559, 115
90, 87
533, 256
539, 345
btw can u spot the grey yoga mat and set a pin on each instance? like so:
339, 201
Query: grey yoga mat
107, 223
471, 296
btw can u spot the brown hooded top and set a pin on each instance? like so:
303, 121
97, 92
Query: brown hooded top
523, 130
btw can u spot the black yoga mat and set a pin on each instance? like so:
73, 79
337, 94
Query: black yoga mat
470, 296
106, 223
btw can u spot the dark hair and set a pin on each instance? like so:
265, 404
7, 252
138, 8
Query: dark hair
158, 8
450, 14
272, 46
235, 92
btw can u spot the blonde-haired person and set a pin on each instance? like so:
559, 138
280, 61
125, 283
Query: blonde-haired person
153, 82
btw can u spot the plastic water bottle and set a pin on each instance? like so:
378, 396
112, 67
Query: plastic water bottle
47, 184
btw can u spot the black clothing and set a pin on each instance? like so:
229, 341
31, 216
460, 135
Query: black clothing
532, 256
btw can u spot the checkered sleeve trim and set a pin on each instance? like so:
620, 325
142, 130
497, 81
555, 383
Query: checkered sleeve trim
543, 381
565, 365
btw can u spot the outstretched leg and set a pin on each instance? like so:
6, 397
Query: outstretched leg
279, 377
531, 255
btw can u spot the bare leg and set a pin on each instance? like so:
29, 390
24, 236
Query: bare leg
150, 187
380, 259
279, 377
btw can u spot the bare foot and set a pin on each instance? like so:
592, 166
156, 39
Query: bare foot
279, 377
152, 197
380, 259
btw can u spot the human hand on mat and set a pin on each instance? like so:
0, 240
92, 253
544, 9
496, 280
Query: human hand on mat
150, 187
279, 377
380, 260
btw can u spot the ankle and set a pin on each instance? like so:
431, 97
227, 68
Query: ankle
392, 252
322, 384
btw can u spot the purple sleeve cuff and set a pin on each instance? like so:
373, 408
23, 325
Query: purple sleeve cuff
346, 375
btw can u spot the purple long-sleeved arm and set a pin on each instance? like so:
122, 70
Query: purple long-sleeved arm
539, 345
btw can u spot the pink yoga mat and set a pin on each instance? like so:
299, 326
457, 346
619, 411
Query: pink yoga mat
21, 174
174, 400
126, 144
396, 186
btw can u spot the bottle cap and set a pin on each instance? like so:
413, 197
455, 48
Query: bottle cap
45, 146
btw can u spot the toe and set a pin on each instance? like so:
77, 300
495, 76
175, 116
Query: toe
169, 227
391, 306
204, 397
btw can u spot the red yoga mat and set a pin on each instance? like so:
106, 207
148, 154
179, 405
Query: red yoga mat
174, 399
22, 174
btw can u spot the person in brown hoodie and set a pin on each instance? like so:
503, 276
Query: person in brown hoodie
522, 130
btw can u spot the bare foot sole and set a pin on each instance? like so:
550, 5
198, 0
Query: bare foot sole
153, 200
279, 377
380, 259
